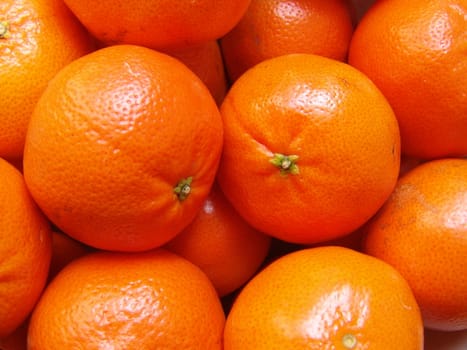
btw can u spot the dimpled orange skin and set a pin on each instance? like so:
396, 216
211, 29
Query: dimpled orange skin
422, 231
338, 124
325, 298
272, 28
416, 53
222, 244
112, 138
158, 24
205, 60
147, 300
41, 37
25, 250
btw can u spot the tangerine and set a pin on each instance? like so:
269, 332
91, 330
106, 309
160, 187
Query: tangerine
416, 53
422, 231
271, 28
325, 298
123, 148
146, 300
25, 250
158, 24
311, 148
37, 39
222, 244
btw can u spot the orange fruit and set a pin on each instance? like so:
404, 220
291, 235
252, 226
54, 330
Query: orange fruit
122, 148
159, 23
146, 300
422, 231
64, 250
37, 38
271, 28
311, 148
25, 250
222, 244
206, 61
325, 298
415, 52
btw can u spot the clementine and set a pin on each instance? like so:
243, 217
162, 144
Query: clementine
416, 53
271, 28
146, 300
158, 24
222, 244
311, 148
25, 250
422, 231
123, 147
206, 61
37, 38
325, 298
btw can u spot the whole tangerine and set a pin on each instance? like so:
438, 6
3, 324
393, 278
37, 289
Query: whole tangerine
123, 147
311, 148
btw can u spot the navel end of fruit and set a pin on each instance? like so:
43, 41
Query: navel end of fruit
287, 164
183, 188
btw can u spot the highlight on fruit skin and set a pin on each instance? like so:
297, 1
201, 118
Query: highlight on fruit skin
323, 298
311, 148
422, 231
123, 147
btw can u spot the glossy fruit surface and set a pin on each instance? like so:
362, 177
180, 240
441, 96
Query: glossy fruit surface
222, 244
37, 39
148, 300
25, 250
123, 147
206, 61
422, 232
158, 24
325, 298
311, 148
272, 28
415, 52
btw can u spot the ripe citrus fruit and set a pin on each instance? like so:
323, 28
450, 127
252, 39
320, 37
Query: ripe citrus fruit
311, 148
159, 23
272, 28
222, 244
325, 298
37, 38
146, 300
422, 231
205, 60
25, 250
123, 148
415, 52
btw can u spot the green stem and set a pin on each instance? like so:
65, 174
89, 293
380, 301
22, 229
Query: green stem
183, 188
286, 164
